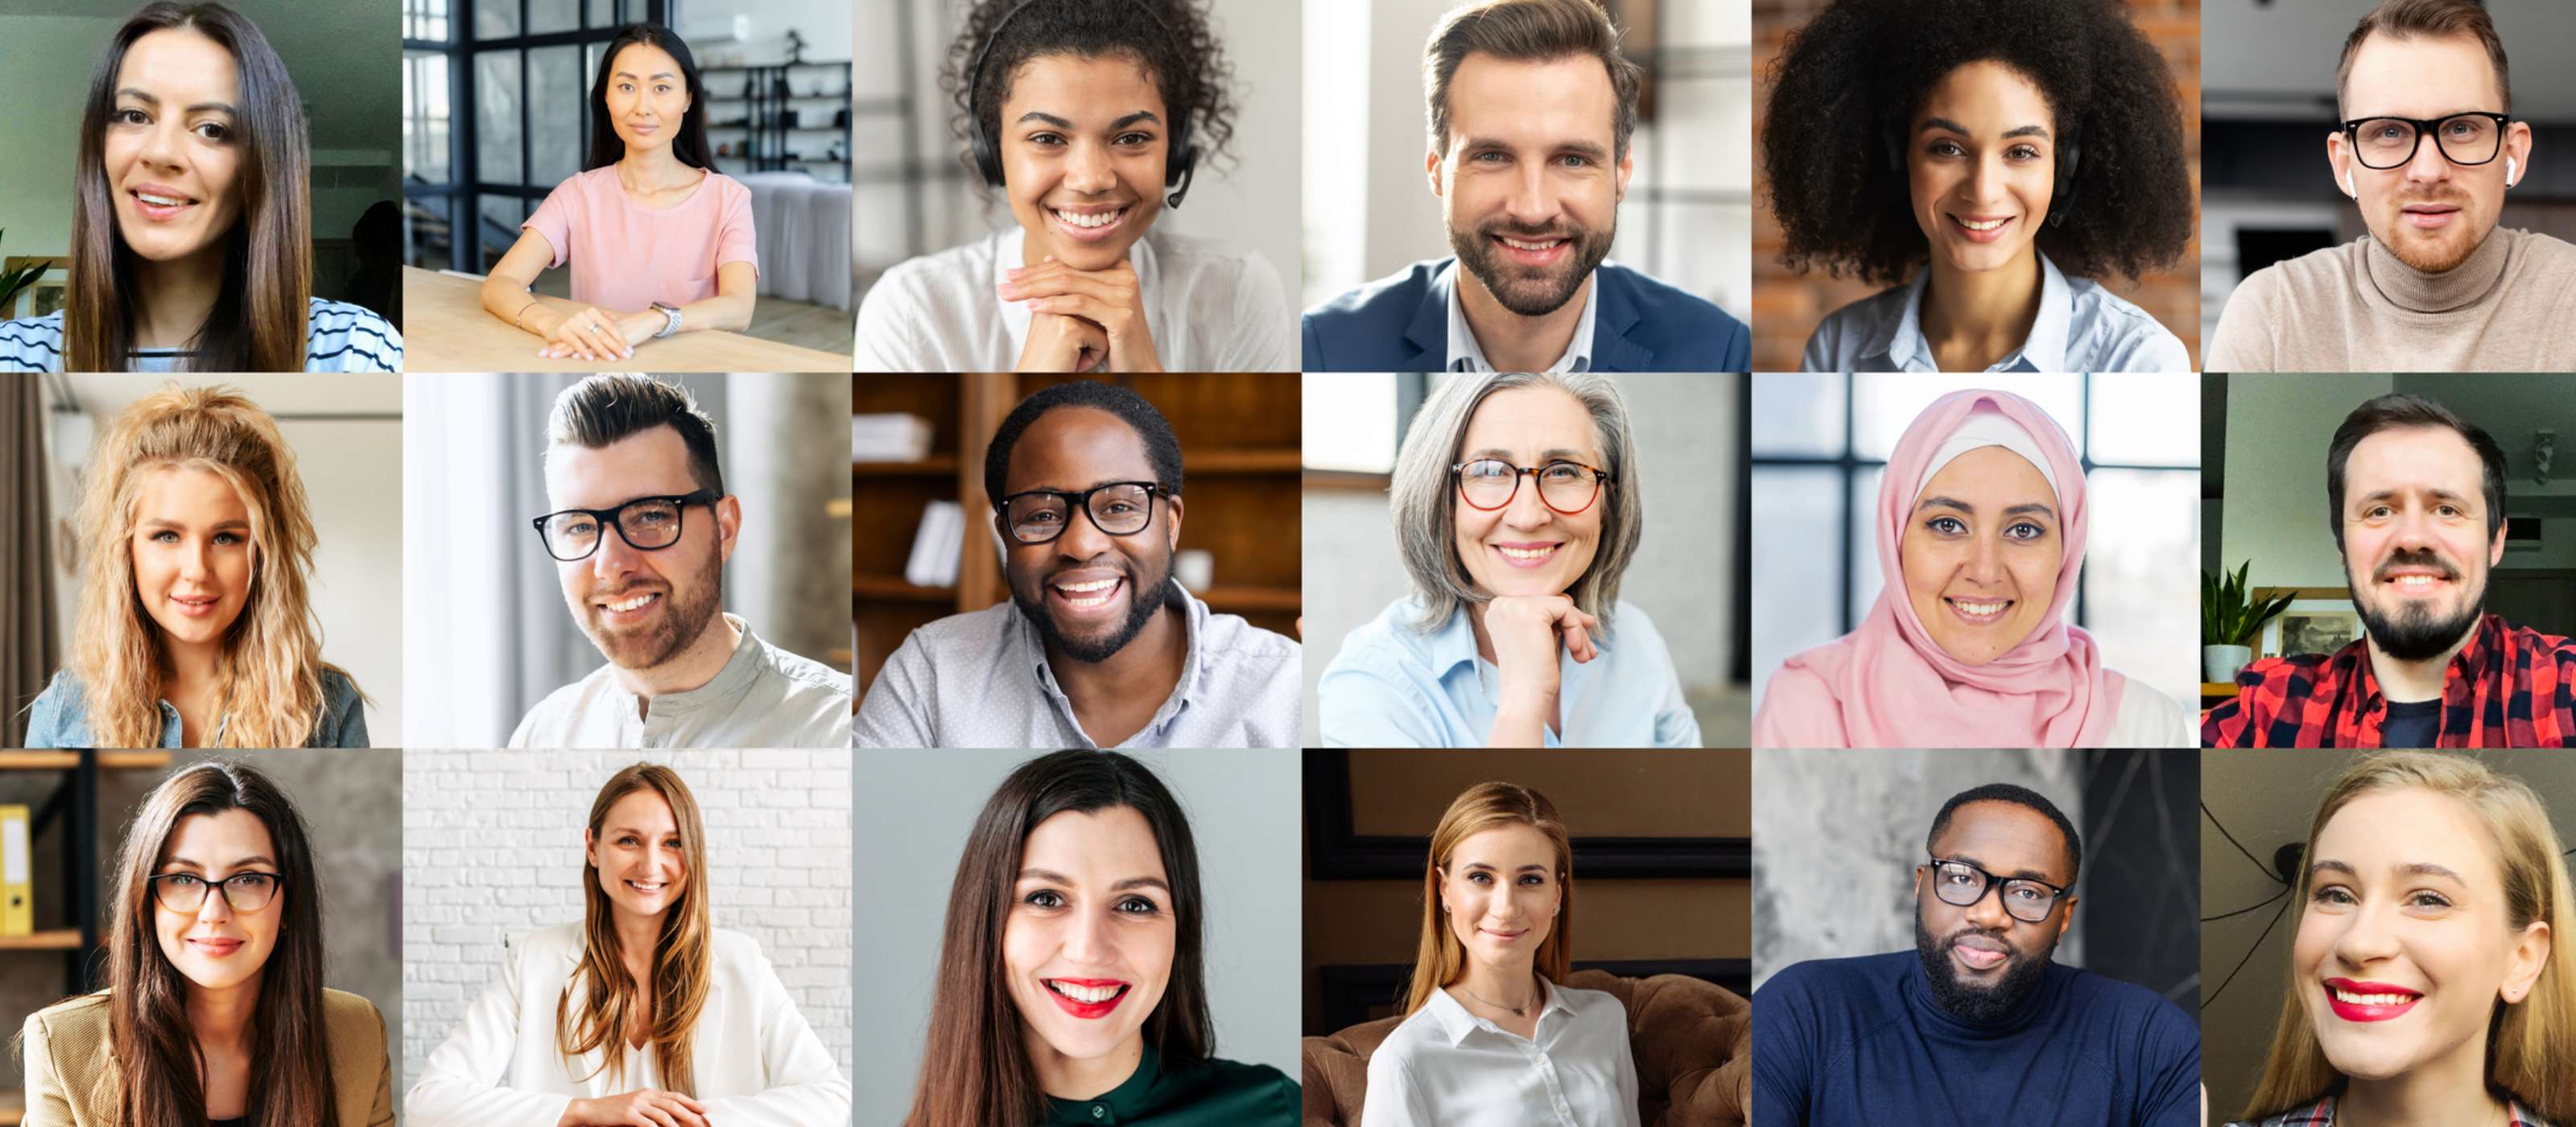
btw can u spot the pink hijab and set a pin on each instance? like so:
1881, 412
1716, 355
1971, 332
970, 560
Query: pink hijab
1888, 684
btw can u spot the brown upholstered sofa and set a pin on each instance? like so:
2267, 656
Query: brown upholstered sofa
1693, 1043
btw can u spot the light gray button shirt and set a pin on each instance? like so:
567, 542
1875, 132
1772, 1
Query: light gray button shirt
2081, 327
764, 697
1465, 355
981, 679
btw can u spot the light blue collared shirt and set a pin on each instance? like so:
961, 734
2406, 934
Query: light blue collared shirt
2082, 327
60, 716
1392, 686
1465, 355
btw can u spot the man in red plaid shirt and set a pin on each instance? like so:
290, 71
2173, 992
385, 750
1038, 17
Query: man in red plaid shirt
2416, 496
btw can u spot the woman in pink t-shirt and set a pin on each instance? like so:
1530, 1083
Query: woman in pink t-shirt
659, 241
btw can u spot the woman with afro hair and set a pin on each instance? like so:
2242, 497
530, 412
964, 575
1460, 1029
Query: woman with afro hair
2010, 154
1088, 118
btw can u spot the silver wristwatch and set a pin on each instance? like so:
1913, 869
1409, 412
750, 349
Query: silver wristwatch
673, 313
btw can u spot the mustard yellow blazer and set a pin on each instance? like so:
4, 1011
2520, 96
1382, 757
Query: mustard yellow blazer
65, 1047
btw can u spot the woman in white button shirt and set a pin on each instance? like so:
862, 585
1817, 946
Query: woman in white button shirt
644, 1015
1491, 1040
1091, 117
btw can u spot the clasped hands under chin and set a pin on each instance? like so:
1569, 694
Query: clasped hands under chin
1080, 320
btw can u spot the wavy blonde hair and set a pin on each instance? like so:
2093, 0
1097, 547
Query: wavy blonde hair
272, 653
2531, 1044
682, 962
1440, 959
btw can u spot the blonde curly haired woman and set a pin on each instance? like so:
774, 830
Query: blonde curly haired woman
194, 628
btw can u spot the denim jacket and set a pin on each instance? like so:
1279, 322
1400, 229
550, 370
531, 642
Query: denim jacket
60, 717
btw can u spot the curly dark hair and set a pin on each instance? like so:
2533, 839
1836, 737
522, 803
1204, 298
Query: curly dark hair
1188, 65
1867, 64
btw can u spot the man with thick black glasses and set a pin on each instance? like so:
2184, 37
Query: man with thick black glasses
1976, 1024
2426, 143
1099, 647
639, 532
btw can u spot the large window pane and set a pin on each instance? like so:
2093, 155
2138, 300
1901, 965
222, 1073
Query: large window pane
2138, 603
426, 118
1885, 403
556, 101
2146, 419
553, 15
1798, 414
496, 19
605, 13
426, 232
498, 228
1863, 513
496, 118
1797, 563
426, 19
1349, 420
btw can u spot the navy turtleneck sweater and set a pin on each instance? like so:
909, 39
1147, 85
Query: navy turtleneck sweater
1863, 1043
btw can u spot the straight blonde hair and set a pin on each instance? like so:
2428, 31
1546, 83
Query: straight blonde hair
2531, 1044
1441, 960
273, 652
682, 961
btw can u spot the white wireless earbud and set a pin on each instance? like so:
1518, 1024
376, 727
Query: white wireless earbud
2509, 170
2354, 192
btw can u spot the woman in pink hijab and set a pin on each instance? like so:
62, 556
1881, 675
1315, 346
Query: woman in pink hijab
1980, 529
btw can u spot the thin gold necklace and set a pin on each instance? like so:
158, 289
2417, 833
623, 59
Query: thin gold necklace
1517, 1011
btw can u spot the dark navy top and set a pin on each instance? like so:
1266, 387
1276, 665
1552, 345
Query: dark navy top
1863, 1043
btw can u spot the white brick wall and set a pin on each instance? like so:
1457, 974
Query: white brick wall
492, 851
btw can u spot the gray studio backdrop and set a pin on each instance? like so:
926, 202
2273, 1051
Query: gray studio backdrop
487, 633
910, 822
352, 806
2265, 800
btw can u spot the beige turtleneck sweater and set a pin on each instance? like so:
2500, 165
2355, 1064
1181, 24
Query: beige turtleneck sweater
2356, 308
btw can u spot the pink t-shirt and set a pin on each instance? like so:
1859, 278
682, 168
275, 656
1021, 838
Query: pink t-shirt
626, 256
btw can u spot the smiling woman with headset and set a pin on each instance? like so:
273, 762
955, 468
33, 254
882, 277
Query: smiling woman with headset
1085, 113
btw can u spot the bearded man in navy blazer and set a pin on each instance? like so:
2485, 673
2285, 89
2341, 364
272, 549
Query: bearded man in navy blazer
1531, 108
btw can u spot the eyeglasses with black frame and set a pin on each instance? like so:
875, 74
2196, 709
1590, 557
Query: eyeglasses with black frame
1960, 885
1119, 508
2383, 143
242, 892
1564, 485
647, 524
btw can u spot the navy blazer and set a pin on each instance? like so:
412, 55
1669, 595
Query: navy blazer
1399, 324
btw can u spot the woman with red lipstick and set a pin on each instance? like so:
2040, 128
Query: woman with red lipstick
1091, 117
2013, 153
215, 1013
2428, 980
194, 627
658, 240
1484, 1004
192, 247
645, 1014
1070, 971
1981, 525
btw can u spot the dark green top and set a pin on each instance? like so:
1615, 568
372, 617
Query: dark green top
1210, 1093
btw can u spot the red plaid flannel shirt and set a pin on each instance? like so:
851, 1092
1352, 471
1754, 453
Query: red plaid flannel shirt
2509, 687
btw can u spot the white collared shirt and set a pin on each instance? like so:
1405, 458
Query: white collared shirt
2082, 327
1465, 355
1445, 1067
763, 697
1210, 307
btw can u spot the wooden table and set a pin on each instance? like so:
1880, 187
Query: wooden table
446, 330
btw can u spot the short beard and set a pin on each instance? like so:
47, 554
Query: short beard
2414, 634
1476, 252
681, 627
2451, 256
1145, 596
1978, 1005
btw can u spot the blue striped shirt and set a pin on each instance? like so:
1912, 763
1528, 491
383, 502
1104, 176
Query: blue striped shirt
340, 337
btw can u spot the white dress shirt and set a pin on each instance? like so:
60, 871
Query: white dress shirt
755, 1060
1445, 1067
1209, 307
2082, 327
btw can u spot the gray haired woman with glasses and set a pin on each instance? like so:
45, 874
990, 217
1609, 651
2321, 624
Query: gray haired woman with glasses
1516, 507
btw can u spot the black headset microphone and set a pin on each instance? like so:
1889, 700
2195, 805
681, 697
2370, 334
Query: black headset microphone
1181, 157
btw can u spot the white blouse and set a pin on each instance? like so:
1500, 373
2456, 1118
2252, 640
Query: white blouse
1445, 1067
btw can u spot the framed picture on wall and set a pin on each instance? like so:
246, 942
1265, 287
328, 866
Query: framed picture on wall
2312, 626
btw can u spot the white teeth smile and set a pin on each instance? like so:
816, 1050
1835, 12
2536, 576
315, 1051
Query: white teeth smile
2416, 582
1095, 219
1979, 610
632, 604
2351, 999
1091, 994
1527, 553
641, 886
1517, 244
158, 201
1986, 225
1073, 592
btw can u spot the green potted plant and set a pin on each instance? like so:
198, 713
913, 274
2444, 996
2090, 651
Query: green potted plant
15, 280
2230, 621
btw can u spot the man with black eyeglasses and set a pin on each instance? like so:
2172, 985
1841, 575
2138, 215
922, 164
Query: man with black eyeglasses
1099, 647
2427, 145
1976, 1024
639, 532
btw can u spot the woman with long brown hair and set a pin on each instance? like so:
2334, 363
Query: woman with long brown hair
215, 1013
194, 626
1497, 937
2427, 983
192, 242
645, 1014
1071, 971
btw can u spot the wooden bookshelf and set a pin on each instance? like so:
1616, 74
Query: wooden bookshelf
1240, 458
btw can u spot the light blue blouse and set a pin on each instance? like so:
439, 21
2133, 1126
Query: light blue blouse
1392, 686
2082, 327
60, 717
